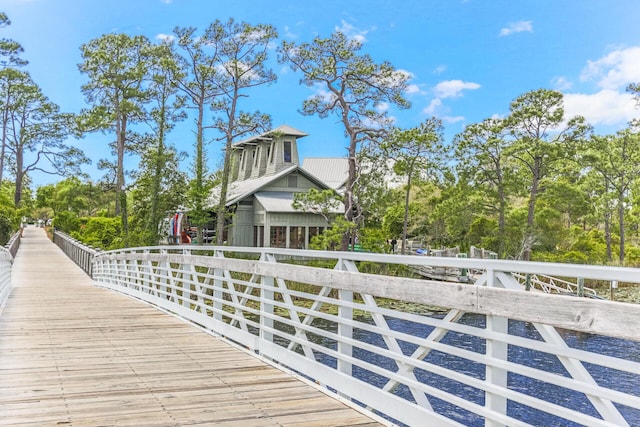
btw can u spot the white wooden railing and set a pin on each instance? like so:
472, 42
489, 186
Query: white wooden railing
80, 253
5, 276
342, 329
7, 253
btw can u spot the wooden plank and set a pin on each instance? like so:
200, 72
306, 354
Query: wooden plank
75, 354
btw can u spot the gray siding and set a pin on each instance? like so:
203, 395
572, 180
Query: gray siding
243, 226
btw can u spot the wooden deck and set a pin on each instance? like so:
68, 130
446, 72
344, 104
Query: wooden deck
73, 354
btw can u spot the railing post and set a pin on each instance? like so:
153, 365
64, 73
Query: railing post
218, 289
345, 313
613, 285
498, 350
464, 272
580, 286
266, 302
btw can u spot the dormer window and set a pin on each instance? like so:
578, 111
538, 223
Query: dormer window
287, 151
270, 152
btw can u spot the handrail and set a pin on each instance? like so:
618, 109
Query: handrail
80, 253
7, 253
14, 243
336, 325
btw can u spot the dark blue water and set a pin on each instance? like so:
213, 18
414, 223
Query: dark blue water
614, 379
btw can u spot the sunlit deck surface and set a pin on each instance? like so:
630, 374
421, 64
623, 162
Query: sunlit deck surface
73, 354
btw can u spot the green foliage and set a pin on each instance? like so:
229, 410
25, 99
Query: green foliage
632, 257
100, 232
373, 239
67, 222
38, 132
331, 239
321, 202
483, 233
9, 215
393, 221
10, 50
353, 87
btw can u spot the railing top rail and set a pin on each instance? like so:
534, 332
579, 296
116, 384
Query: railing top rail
13, 243
606, 273
78, 243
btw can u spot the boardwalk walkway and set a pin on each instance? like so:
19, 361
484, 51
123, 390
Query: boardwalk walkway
73, 354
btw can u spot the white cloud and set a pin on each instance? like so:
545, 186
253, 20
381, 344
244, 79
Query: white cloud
607, 107
440, 69
352, 32
322, 93
561, 83
616, 70
447, 89
611, 74
382, 107
288, 33
168, 38
453, 88
433, 106
413, 88
516, 27
452, 119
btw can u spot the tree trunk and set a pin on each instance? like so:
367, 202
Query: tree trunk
528, 235
154, 217
224, 186
5, 122
607, 234
226, 172
17, 198
120, 183
351, 177
621, 223
502, 203
405, 222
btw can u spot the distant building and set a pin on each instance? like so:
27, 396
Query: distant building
266, 173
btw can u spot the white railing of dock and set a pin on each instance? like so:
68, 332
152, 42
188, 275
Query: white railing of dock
80, 253
331, 325
7, 253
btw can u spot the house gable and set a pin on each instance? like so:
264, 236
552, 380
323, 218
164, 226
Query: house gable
265, 175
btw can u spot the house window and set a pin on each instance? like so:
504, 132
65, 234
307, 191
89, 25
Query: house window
255, 156
292, 181
270, 152
296, 237
287, 151
243, 159
278, 237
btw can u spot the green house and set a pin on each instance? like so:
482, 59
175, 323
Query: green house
266, 172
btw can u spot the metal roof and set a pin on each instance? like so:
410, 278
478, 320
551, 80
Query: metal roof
333, 171
239, 190
282, 201
284, 129
276, 201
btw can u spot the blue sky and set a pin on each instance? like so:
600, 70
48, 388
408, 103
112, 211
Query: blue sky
468, 59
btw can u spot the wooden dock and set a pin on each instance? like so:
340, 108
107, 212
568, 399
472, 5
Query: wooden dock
73, 354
